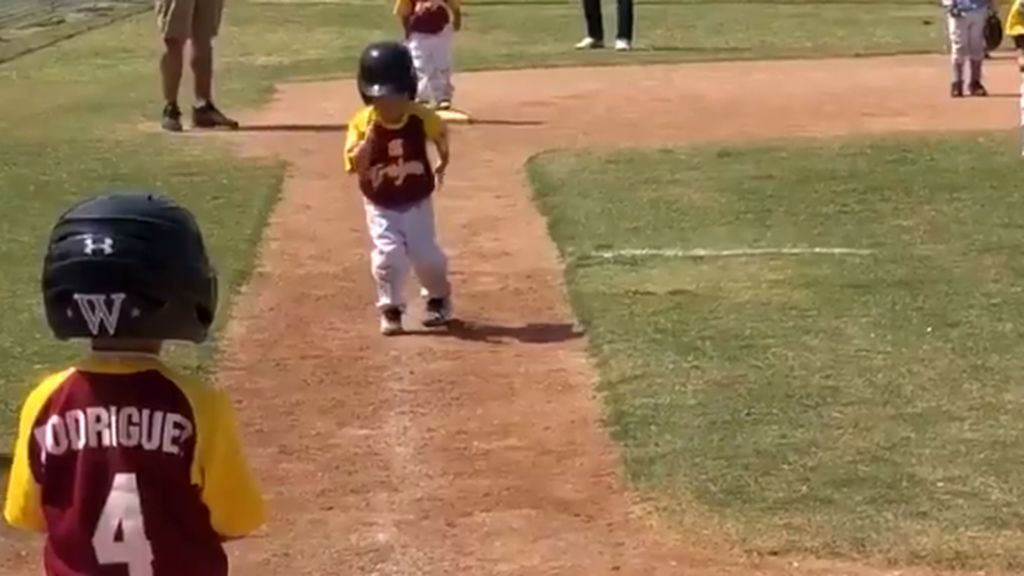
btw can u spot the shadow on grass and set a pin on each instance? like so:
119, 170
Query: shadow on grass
292, 128
531, 333
5, 462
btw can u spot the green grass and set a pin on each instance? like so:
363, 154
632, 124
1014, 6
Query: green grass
851, 406
71, 112
39, 31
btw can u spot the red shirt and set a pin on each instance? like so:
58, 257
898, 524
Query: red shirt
425, 16
122, 464
400, 172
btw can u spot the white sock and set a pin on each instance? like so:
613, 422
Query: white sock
200, 103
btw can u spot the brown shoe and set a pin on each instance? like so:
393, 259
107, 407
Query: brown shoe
208, 116
170, 120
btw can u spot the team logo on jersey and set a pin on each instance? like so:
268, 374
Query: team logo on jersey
100, 310
106, 246
397, 168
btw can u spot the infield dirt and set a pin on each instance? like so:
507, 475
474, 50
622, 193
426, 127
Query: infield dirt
481, 451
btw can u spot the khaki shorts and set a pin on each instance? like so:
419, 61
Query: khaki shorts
189, 19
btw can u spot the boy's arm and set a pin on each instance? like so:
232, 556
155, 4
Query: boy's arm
456, 8
437, 133
23, 507
403, 9
356, 151
229, 490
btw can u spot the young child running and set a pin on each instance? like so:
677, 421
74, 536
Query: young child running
966, 24
129, 467
430, 27
387, 148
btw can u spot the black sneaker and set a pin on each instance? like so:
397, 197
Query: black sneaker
208, 116
439, 312
956, 90
391, 322
171, 118
978, 89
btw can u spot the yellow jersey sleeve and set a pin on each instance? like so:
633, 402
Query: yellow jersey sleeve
219, 468
434, 127
358, 126
23, 507
227, 486
403, 8
1015, 20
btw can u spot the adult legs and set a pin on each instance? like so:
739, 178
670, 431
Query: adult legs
595, 23
172, 63
625, 20
202, 69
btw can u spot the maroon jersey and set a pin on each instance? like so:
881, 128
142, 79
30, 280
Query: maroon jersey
119, 462
400, 174
427, 16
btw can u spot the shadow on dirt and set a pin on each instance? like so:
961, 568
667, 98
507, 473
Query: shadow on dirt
292, 128
493, 122
531, 333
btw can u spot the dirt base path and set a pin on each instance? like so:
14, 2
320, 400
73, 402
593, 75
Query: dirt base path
481, 452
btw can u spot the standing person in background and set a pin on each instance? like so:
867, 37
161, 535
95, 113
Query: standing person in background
430, 27
196, 22
966, 21
595, 25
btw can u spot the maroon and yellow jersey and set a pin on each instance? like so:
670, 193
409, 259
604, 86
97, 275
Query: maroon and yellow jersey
131, 469
399, 172
425, 16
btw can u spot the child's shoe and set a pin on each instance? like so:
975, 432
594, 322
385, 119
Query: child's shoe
444, 105
391, 322
978, 89
956, 90
439, 312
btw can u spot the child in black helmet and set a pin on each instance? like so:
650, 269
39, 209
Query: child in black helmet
128, 466
387, 148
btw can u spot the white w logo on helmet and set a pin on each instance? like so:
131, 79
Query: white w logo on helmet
95, 311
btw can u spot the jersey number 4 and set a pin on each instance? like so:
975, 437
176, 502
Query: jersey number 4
122, 516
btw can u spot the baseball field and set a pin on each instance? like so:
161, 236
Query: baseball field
742, 301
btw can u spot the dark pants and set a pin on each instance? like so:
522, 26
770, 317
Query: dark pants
595, 26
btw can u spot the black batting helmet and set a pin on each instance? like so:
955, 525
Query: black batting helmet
386, 69
128, 266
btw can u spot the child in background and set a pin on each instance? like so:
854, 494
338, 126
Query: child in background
430, 27
127, 466
387, 148
966, 22
1015, 30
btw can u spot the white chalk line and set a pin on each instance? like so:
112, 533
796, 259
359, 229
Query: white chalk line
736, 252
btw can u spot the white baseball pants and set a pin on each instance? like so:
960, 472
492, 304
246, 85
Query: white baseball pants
402, 239
967, 36
432, 55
